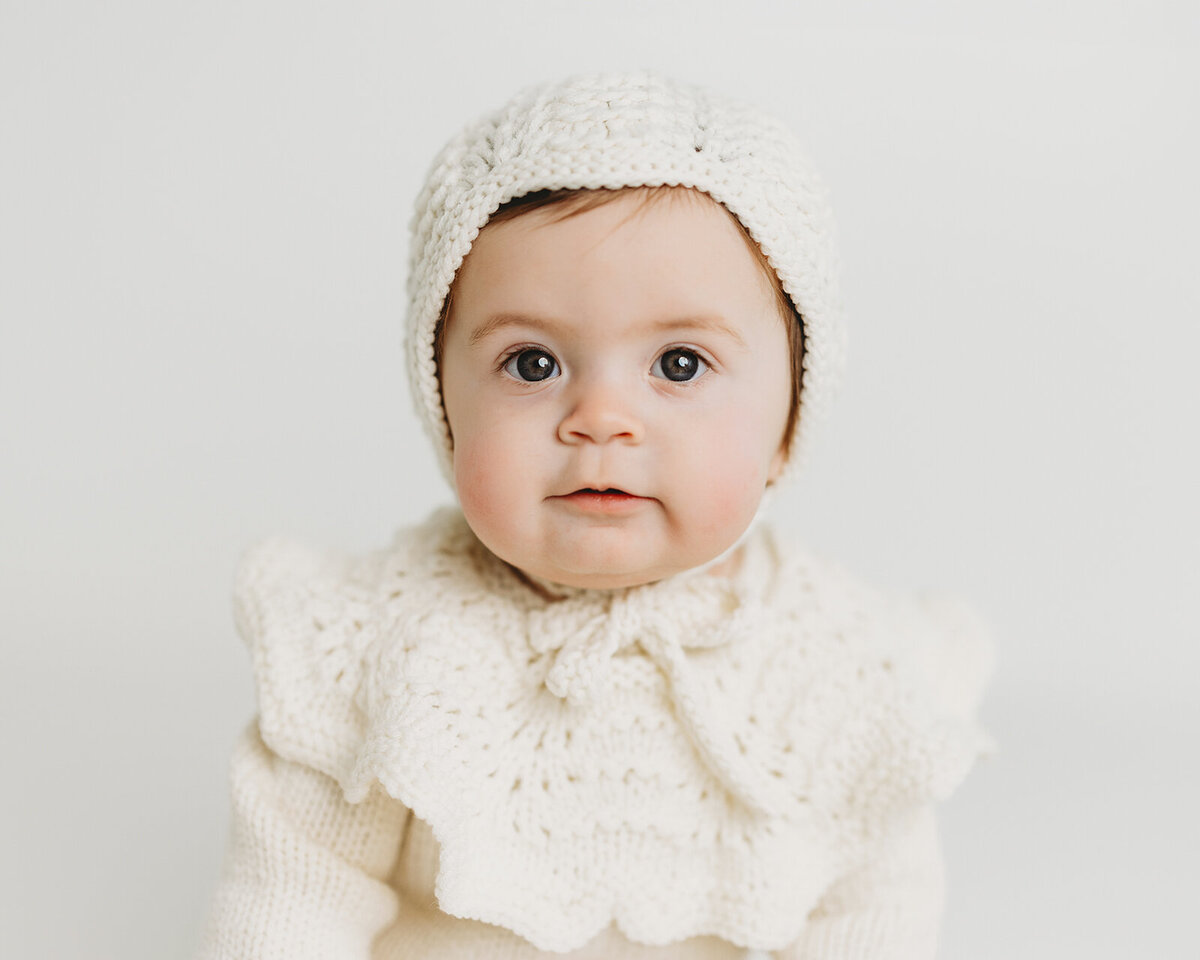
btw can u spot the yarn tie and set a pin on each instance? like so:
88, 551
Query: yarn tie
583, 665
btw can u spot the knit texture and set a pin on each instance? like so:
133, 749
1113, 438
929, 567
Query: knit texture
624, 130
305, 874
704, 756
307, 877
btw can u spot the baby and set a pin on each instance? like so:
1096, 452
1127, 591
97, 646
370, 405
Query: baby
602, 710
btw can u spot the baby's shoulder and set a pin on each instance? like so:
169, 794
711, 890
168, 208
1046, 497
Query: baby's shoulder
284, 582
311, 617
935, 638
282, 564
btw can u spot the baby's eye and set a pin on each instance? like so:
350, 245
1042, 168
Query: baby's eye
532, 365
678, 364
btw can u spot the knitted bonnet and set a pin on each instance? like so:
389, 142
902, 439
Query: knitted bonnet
629, 130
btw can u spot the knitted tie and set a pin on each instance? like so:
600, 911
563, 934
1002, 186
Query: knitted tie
583, 662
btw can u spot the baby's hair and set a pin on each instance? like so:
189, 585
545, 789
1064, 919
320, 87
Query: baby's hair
570, 203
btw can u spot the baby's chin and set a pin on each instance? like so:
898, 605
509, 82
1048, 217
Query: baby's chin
604, 558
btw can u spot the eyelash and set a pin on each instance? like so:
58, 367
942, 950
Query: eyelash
706, 363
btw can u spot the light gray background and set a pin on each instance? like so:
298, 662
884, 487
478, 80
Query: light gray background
202, 239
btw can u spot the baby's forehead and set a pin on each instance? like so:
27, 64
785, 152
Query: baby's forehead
640, 251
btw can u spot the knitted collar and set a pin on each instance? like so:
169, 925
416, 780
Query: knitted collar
701, 755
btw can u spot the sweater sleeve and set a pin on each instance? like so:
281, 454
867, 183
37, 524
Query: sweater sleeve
887, 909
305, 872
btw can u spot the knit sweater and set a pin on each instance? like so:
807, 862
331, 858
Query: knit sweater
452, 759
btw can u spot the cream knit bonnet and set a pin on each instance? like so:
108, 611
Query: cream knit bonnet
629, 130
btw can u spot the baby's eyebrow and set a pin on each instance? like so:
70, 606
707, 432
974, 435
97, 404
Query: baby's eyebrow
499, 321
712, 324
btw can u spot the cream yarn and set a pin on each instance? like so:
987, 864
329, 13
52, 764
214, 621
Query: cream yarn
623, 130
696, 756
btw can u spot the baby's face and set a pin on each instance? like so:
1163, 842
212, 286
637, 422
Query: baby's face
617, 391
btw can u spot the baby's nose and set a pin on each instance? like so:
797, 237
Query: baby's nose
601, 412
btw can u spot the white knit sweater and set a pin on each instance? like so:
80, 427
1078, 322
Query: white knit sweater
451, 760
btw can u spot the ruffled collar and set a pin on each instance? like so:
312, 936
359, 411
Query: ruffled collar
701, 755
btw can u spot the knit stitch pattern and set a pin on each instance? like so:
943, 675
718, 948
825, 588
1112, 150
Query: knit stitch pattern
701, 756
624, 130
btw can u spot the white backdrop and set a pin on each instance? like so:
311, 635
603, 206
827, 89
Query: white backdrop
203, 215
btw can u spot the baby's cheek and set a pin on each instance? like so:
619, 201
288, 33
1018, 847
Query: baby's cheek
485, 482
730, 496
727, 486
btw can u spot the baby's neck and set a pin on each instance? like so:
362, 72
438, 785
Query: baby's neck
727, 566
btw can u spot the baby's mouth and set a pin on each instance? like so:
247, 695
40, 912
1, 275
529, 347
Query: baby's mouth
605, 499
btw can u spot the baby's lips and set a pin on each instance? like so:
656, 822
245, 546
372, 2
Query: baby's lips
606, 491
